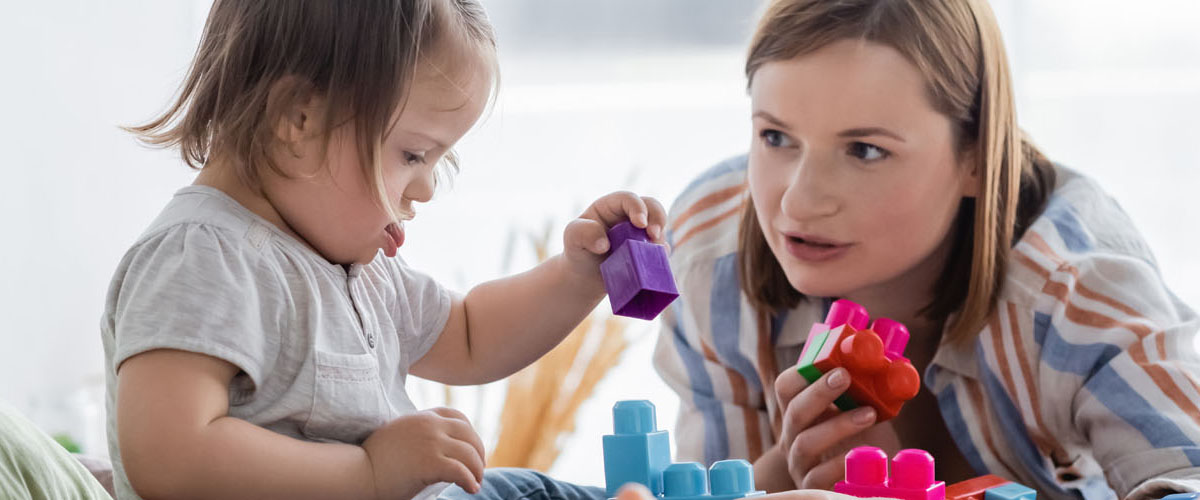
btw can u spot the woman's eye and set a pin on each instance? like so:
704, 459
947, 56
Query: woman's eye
411, 158
867, 152
774, 138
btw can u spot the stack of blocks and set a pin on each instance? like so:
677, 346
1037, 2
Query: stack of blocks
880, 375
637, 274
911, 478
637, 452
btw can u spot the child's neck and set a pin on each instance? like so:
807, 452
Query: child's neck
220, 176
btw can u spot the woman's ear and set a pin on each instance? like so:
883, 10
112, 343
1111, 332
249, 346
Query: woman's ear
971, 171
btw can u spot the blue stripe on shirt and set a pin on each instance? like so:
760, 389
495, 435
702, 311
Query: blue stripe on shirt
1013, 425
716, 442
725, 311
1108, 387
952, 414
1080, 359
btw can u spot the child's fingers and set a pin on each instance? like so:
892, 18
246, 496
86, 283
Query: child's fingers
615, 208
634, 491
466, 453
657, 219
587, 234
458, 427
454, 471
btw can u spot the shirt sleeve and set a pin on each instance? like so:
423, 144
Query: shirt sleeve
426, 302
196, 288
1139, 405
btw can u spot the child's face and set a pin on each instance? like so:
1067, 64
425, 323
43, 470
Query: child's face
335, 210
854, 175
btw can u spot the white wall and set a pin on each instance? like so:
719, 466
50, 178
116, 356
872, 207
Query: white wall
1110, 89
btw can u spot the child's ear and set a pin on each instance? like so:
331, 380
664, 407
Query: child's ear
295, 109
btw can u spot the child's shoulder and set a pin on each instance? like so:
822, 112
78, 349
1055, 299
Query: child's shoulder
702, 225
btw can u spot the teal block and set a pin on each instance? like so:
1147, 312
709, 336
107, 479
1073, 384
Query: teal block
636, 452
1010, 491
725, 480
1182, 496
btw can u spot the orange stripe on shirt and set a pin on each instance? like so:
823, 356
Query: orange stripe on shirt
741, 398
1009, 385
705, 225
1137, 350
975, 392
708, 201
1052, 445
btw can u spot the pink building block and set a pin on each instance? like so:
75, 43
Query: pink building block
911, 476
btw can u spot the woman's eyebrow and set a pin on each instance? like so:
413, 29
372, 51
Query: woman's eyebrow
770, 118
870, 131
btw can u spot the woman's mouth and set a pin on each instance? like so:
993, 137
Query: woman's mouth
811, 248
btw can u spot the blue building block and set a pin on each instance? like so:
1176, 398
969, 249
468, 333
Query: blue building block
636, 452
725, 480
1182, 496
1010, 491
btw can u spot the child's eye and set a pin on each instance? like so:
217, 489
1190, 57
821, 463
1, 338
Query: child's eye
775, 138
411, 158
867, 152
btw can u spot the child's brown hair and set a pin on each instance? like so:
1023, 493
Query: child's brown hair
360, 56
956, 45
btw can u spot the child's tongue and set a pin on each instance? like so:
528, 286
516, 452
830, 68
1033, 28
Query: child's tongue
396, 233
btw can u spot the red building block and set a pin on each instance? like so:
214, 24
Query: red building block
875, 380
911, 476
974, 489
880, 375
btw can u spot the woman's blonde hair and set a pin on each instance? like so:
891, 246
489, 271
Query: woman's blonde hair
956, 45
359, 56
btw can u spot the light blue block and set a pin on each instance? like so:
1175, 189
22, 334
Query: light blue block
1010, 491
725, 480
1182, 496
636, 452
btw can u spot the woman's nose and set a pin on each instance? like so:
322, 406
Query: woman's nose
810, 193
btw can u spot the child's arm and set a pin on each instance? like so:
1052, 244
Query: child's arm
177, 441
504, 325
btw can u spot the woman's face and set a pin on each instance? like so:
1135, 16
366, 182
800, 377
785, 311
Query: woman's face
854, 176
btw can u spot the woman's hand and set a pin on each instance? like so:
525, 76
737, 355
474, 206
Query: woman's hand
816, 436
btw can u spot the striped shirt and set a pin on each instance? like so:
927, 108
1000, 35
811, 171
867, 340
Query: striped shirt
1085, 383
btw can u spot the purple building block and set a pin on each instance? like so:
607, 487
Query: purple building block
637, 274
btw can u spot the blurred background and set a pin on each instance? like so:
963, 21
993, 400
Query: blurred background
596, 96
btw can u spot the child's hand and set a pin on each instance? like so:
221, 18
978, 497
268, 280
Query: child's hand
427, 447
816, 437
585, 241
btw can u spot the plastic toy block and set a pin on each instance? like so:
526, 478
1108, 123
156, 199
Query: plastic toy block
973, 489
840, 313
911, 476
636, 452
1010, 491
1182, 496
725, 480
637, 274
639, 453
880, 375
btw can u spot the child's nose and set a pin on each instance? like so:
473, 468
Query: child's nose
810, 192
420, 187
